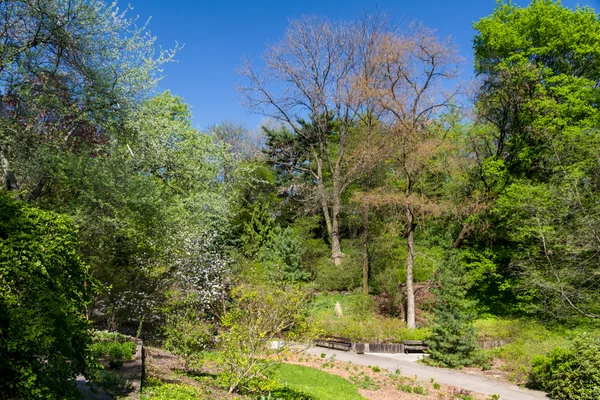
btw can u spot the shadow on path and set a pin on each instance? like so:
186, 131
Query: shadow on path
91, 393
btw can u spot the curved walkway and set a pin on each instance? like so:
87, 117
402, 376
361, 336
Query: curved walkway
442, 375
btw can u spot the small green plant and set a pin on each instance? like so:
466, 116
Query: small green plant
405, 388
495, 397
420, 390
376, 369
436, 385
323, 355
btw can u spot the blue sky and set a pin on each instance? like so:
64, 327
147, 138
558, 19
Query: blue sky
218, 33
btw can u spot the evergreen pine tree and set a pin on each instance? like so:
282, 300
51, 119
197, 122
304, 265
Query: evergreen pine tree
453, 336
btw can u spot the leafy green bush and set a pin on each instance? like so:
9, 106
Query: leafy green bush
253, 327
345, 276
187, 335
282, 253
572, 373
119, 352
114, 383
116, 352
45, 289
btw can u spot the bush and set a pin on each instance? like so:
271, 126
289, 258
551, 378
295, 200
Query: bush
345, 276
116, 352
282, 254
259, 316
572, 373
119, 352
187, 335
113, 383
45, 289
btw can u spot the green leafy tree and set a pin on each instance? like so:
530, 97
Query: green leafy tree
70, 70
259, 319
45, 289
540, 71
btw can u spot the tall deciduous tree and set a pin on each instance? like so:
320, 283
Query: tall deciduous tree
69, 71
309, 83
412, 71
540, 70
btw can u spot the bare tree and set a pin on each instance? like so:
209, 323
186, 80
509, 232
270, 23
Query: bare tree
309, 83
412, 70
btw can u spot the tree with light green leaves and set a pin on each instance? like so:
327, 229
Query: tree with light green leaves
540, 70
70, 71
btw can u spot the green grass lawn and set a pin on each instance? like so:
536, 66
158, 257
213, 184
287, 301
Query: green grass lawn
315, 383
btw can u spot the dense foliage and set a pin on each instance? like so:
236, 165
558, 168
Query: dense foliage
572, 373
45, 291
538, 157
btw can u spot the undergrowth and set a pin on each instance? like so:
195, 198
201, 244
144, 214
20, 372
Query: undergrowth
359, 321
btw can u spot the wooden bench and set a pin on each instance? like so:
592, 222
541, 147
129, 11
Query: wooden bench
337, 343
414, 346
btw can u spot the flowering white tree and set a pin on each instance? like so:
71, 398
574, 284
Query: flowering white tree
201, 273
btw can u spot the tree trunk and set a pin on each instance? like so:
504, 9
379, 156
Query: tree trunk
410, 260
331, 219
365, 249
336, 249
7, 177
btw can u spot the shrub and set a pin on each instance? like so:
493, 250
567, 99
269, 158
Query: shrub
114, 383
345, 276
187, 335
116, 352
119, 352
259, 316
45, 289
572, 373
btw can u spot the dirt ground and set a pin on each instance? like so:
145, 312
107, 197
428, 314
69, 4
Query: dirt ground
167, 367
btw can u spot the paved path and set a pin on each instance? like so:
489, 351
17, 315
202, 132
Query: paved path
409, 367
